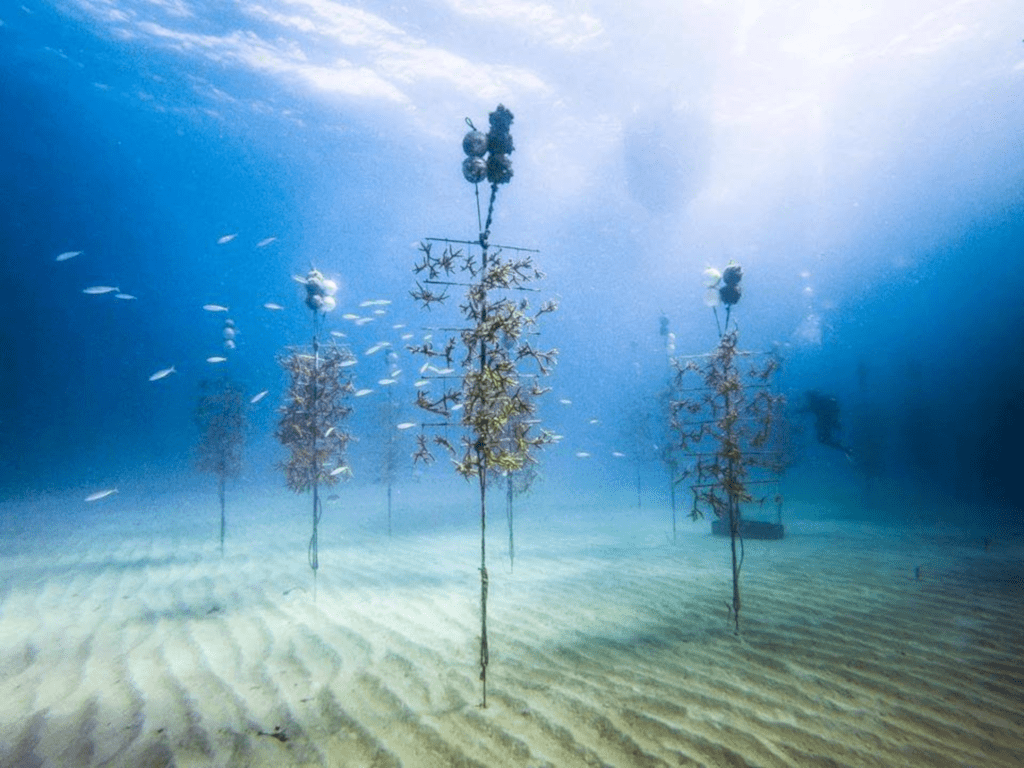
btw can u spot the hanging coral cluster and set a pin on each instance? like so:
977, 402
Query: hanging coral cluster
313, 414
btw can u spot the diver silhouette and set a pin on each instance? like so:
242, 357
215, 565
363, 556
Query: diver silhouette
825, 410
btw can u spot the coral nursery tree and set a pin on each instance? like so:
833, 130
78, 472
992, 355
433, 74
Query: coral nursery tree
517, 482
220, 416
492, 394
723, 413
312, 419
221, 420
668, 449
390, 458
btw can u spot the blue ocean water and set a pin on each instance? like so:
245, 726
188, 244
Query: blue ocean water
865, 171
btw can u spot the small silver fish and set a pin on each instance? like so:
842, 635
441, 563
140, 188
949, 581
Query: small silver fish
364, 320
162, 373
226, 239
216, 359
349, 316
362, 392
407, 425
272, 306
582, 455
68, 255
215, 308
341, 470
618, 454
101, 494
96, 290
265, 242
347, 363
386, 382
125, 296
258, 396
565, 401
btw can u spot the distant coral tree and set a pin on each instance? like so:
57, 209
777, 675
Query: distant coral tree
724, 411
315, 410
220, 417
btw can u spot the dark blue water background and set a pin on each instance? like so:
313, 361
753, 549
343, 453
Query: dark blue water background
143, 158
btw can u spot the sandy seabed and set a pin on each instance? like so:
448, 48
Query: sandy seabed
127, 640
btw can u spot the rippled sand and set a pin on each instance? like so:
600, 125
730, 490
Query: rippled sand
126, 640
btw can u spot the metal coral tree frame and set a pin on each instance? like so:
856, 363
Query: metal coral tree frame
491, 371
725, 414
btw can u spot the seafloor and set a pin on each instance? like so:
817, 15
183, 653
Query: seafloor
127, 640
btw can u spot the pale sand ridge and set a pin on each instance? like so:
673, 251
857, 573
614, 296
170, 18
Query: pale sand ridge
125, 640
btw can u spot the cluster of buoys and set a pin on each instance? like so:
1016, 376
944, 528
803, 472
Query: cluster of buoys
229, 333
723, 286
320, 292
487, 155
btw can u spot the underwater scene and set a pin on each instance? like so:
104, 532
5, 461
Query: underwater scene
511, 383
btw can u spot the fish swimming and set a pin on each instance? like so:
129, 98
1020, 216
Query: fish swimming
363, 392
271, 305
215, 308
216, 359
258, 396
162, 373
68, 255
407, 425
96, 290
226, 239
125, 296
265, 242
101, 494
